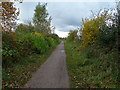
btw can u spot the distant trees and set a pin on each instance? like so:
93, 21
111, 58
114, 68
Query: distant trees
73, 35
41, 19
25, 28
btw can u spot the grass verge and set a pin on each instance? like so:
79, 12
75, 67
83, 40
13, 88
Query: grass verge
18, 75
91, 68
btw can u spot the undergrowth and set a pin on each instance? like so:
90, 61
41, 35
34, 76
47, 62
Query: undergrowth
92, 68
18, 75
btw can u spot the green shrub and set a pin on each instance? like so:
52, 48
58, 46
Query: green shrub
106, 37
39, 44
55, 37
31, 43
17, 45
25, 44
49, 41
8, 48
25, 29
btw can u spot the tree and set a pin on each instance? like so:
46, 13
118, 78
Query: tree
92, 28
40, 20
22, 29
73, 35
9, 15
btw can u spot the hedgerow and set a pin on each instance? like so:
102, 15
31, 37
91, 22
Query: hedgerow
18, 45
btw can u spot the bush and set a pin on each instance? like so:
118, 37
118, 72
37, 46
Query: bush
50, 41
25, 44
39, 44
54, 36
73, 36
24, 29
8, 48
32, 43
107, 37
19, 45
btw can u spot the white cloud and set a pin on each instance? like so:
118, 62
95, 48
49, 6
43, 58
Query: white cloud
20, 22
68, 16
68, 0
61, 33
65, 15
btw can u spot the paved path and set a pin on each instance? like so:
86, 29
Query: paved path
53, 73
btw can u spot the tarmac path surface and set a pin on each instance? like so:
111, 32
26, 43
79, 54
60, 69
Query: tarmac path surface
53, 73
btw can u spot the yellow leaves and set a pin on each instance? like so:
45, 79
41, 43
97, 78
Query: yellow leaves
0, 4
37, 34
9, 15
90, 30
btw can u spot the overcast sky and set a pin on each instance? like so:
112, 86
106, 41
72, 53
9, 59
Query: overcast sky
65, 15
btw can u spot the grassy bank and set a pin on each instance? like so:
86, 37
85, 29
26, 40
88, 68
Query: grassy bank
18, 75
94, 68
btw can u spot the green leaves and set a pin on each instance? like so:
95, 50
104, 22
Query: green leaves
22, 44
95, 63
73, 35
40, 14
42, 24
25, 56
8, 52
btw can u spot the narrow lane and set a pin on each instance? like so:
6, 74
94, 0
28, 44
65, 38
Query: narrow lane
53, 73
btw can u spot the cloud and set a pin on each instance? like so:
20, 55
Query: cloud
65, 15
68, 16
61, 33
20, 22
67, 0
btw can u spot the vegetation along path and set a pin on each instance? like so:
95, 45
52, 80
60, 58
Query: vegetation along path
53, 73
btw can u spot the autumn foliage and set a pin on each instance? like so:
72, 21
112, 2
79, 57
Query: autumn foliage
94, 60
9, 15
92, 28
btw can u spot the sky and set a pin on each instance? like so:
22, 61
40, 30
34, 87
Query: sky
66, 16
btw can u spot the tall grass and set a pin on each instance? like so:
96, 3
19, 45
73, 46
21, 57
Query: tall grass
92, 68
